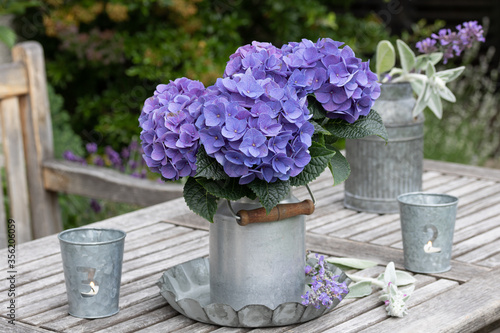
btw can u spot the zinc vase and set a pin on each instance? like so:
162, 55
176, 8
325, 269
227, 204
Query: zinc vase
379, 171
259, 263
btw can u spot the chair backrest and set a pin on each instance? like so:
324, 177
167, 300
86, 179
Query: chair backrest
33, 176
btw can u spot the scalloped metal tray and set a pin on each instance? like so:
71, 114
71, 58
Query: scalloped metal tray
186, 287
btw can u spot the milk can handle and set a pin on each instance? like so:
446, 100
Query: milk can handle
278, 213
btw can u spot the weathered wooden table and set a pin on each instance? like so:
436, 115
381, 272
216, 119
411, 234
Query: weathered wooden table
465, 299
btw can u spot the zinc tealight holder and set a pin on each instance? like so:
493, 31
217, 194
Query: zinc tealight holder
427, 226
92, 261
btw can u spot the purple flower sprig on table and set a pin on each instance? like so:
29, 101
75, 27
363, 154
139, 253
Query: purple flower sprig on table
452, 43
325, 289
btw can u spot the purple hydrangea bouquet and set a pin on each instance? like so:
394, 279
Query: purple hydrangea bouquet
428, 84
269, 123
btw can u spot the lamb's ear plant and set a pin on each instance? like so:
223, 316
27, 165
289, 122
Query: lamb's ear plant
428, 84
395, 298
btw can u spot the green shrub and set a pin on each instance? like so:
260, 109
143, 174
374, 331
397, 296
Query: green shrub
106, 57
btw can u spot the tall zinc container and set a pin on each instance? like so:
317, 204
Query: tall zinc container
379, 171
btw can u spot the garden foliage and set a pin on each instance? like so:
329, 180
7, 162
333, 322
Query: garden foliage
105, 57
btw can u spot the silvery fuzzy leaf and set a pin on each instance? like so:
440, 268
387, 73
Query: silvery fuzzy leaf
407, 56
421, 101
418, 86
385, 57
450, 74
430, 70
446, 94
390, 274
421, 60
359, 289
434, 103
408, 290
402, 278
351, 262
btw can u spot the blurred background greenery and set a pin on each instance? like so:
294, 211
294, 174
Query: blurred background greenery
104, 58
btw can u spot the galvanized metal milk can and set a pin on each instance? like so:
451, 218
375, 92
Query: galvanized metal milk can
379, 171
257, 263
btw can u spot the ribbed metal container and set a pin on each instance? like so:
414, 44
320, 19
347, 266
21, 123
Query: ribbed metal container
379, 171
260, 263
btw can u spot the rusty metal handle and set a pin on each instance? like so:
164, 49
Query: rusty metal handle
280, 212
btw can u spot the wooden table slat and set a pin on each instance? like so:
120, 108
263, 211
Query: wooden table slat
479, 308
465, 298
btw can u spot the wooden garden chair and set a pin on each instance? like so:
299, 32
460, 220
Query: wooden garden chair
33, 176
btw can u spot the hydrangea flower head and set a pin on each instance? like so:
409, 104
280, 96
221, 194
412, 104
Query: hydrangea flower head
254, 128
342, 83
170, 139
264, 60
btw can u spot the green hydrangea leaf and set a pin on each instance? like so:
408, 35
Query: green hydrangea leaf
315, 108
364, 126
406, 56
228, 189
320, 157
318, 129
339, 167
7, 36
208, 167
385, 57
270, 194
359, 289
199, 200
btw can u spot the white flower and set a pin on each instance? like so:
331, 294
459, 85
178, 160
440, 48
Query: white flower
396, 301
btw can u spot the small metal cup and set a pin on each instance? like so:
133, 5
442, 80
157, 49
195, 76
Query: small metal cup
92, 261
427, 225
